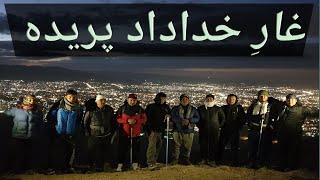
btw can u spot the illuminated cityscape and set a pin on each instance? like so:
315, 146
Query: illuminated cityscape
116, 93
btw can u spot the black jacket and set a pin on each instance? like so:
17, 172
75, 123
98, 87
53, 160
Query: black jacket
156, 113
235, 117
254, 121
291, 120
100, 122
211, 119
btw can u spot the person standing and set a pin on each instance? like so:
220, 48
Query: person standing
66, 119
230, 131
157, 113
131, 118
289, 132
211, 120
184, 117
26, 135
99, 124
261, 116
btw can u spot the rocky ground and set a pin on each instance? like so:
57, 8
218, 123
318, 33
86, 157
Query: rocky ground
182, 173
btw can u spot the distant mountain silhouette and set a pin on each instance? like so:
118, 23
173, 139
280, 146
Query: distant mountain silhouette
33, 73
54, 73
42, 73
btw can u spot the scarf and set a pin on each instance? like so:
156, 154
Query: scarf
70, 106
208, 104
260, 108
27, 107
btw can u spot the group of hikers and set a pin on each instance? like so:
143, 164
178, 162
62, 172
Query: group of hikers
53, 143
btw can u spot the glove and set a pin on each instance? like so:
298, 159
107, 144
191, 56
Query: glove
185, 122
165, 118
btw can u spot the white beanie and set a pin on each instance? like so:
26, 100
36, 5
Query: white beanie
99, 97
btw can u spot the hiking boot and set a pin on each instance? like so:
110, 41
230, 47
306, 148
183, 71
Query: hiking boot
186, 162
203, 162
151, 166
135, 166
154, 166
285, 169
174, 162
252, 165
119, 168
235, 164
107, 167
69, 171
212, 164
49, 171
30, 172
98, 169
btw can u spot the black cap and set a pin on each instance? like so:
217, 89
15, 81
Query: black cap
184, 95
291, 96
263, 93
230, 95
133, 96
72, 92
210, 95
159, 96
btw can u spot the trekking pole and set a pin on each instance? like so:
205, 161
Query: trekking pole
260, 137
167, 146
208, 145
131, 146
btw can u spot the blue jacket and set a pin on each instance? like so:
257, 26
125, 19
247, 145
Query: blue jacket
177, 117
26, 124
68, 122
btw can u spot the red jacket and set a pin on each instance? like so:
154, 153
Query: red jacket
136, 128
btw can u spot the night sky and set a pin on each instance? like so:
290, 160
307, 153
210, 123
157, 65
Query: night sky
274, 70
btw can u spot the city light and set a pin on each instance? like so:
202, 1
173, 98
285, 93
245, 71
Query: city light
116, 93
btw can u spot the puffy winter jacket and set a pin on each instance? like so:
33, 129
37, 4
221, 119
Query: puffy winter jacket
235, 118
26, 124
210, 118
291, 119
136, 112
99, 122
67, 122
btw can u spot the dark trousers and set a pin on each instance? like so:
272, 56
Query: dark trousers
232, 137
24, 155
61, 156
209, 142
98, 149
4, 154
5, 138
289, 152
124, 149
263, 156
